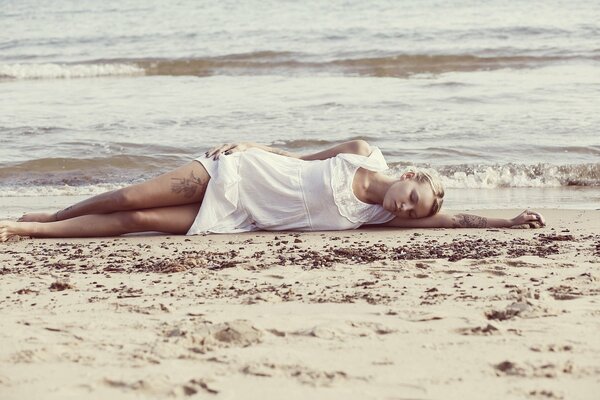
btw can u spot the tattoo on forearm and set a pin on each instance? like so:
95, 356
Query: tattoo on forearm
186, 186
469, 221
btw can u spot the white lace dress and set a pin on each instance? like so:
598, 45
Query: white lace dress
258, 190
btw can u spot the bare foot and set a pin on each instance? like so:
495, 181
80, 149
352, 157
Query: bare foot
7, 230
38, 217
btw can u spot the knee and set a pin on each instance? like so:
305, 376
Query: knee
123, 199
138, 220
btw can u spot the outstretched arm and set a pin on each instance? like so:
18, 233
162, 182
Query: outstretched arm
467, 221
353, 147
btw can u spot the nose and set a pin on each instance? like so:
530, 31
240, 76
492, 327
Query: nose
405, 207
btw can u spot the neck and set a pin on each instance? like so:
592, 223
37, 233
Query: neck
375, 186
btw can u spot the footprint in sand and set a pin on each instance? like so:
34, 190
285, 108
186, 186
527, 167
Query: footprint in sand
237, 333
29, 356
202, 336
523, 309
320, 332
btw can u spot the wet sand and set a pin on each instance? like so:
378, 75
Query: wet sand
366, 314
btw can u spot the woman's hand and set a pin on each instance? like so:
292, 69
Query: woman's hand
528, 219
228, 148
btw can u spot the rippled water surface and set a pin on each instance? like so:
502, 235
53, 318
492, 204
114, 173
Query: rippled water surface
493, 95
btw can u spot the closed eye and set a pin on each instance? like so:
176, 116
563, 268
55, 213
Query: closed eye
414, 197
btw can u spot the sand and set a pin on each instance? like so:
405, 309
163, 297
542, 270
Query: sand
366, 314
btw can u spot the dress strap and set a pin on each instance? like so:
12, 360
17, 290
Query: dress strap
344, 167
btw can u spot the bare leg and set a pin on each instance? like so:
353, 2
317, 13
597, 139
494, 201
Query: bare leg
175, 219
185, 185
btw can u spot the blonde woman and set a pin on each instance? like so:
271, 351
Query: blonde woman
246, 187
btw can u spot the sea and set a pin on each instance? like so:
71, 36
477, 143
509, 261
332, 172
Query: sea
501, 97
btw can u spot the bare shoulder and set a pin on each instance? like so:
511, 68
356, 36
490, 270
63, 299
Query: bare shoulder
359, 146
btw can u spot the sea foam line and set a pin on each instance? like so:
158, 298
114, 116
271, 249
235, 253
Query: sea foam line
58, 190
66, 71
273, 62
515, 175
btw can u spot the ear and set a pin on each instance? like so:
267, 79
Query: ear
407, 175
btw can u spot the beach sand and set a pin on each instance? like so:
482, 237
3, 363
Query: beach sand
366, 314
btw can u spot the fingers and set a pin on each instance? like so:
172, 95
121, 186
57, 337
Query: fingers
520, 226
527, 225
216, 151
536, 217
535, 224
541, 219
529, 219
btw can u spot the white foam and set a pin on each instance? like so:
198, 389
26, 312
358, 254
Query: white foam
66, 71
490, 178
515, 176
56, 190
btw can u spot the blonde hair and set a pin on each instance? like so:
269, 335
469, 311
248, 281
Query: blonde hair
431, 177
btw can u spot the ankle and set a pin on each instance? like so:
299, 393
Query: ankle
27, 228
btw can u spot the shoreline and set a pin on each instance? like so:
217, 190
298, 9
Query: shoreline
496, 199
371, 313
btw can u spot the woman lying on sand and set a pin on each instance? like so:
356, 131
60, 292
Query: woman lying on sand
246, 187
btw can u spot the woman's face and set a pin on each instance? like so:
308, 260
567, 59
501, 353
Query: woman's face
407, 198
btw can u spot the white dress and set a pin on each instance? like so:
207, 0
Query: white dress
257, 190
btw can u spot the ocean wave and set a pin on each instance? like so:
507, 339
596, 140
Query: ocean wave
58, 190
67, 71
65, 164
273, 62
515, 175
65, 176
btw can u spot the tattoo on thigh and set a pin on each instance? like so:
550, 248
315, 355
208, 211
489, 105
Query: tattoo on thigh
186, 186
469, 221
